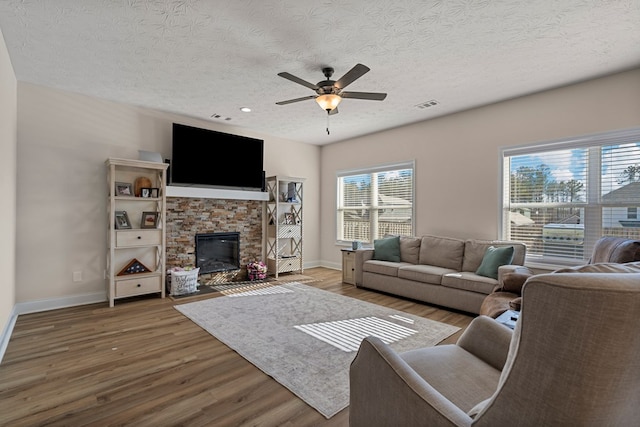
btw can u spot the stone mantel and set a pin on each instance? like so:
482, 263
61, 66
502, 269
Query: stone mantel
188, 216
215, 193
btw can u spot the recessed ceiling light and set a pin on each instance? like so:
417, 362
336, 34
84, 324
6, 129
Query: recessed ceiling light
245, 109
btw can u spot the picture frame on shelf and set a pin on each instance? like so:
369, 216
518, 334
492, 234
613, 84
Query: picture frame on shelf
122, 220
288, 218
124, 189
145, 192
155, 193
149, 220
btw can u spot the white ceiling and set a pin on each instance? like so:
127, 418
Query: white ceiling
199, 57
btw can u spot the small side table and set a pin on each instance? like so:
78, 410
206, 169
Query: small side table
348, 266
508, 318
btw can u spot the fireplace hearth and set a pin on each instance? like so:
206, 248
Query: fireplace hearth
216, 252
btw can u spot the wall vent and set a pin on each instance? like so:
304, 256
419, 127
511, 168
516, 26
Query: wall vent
428, 104
219, 117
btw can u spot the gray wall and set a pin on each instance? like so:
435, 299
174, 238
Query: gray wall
457, 156
64, 140
8, 168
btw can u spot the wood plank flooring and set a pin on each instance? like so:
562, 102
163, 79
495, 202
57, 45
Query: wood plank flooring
142, 363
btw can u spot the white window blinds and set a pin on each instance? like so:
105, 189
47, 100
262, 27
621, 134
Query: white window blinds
374, 202
559, 198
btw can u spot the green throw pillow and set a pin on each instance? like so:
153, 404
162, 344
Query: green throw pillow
494, 258
387, 249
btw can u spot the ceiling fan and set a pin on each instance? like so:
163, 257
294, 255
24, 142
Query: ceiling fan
329, 93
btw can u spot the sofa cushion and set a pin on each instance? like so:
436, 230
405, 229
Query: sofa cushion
494, 258
387, 249
615, 249
474, 251
479, 379
423, 273
603, 267
442, 252
410, 249
386, 268
468, 281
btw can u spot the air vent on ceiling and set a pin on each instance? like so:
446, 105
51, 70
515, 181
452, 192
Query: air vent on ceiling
218, 116
428, 104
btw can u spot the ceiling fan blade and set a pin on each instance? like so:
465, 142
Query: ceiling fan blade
355, 73
298, 80
295, 100
334, 111
372, 96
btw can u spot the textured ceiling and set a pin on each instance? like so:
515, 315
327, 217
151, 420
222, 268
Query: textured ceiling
200, 58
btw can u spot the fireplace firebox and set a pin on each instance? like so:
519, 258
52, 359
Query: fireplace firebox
217, 252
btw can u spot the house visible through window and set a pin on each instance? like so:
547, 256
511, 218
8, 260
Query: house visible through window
560, 197
374, 202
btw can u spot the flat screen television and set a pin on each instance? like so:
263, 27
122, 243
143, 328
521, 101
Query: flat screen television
206, 158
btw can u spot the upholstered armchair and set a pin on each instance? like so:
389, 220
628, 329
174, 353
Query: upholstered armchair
572, 360
506, 294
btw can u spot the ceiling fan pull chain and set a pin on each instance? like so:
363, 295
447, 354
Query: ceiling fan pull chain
328, 133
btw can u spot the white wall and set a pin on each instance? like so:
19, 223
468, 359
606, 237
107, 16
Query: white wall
64, 138
457, 156
8, 147
63, 142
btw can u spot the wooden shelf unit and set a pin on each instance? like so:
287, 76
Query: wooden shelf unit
283, 225
147, 245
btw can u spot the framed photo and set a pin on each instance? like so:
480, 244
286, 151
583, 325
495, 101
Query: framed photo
288, 218
149, 220
124, 189
155, 192
122, 220
145, 192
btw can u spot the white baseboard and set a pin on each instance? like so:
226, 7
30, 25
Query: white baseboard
74, 300
6, 333
312, 264
325, 264
55, 303
44, 305
331, 265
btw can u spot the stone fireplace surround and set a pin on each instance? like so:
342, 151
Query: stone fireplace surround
187, 216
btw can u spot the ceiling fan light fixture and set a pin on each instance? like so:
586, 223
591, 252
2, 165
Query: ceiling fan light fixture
328, 102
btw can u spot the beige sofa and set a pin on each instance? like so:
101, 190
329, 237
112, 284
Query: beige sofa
436, 270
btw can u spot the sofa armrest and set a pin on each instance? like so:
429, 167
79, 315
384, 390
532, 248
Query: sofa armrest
512, 277
386, 391
362, 255
488, 340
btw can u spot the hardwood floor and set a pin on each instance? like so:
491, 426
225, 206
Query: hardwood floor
142, 363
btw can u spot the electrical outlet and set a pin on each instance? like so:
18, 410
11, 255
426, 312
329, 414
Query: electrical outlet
77, 276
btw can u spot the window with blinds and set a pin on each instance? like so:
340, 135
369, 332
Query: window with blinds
560, 197
374, 202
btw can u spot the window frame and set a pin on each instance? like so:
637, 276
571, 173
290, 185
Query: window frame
592, 207
380, 168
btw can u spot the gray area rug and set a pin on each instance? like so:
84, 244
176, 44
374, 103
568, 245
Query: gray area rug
304, 337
